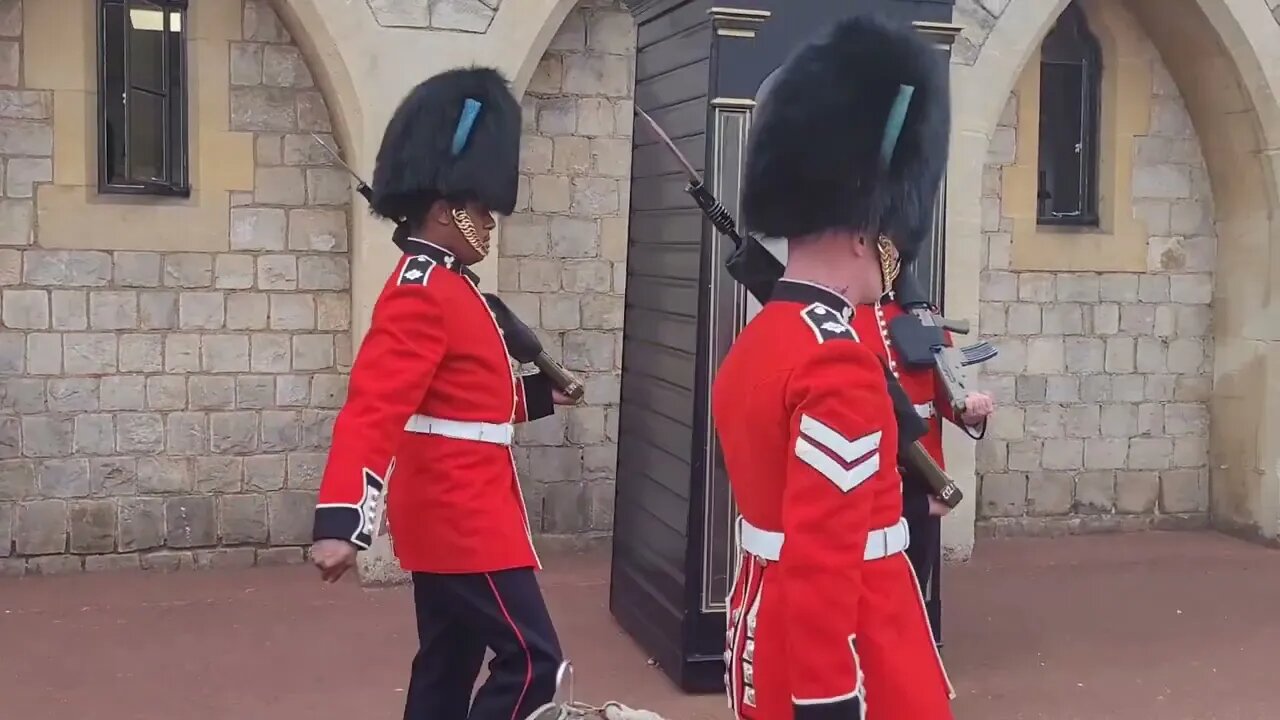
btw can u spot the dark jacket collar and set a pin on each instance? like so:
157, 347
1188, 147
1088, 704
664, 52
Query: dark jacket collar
798, 291
415, 246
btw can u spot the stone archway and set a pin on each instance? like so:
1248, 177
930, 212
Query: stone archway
1230, 86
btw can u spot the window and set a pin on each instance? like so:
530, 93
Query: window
1070, 80
142, 97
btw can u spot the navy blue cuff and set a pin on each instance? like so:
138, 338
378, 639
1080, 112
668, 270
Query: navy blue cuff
537, 396
850, 709
341, 523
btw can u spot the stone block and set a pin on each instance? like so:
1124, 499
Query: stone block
595, 74
224, 353
318, 230
243, 518
1136, 492
1063, 319
280, 430
188, 270
583, 276
274, 557
139, 433
93, 526
1120, 355
141, 353
233, 432
1095, 492
333, 311
1046, 355
69, 309
602, 312
292, 313
1025, 455
1191, 289
305, 470
574, 237
181, 353
22, 174
571, 155
94, 434
25, 309
1082, 421
188, 433
1151, 354
218, 474
1049, 493
1078, 287
1166, 321
1161, 181
1182, 419
190, 521
224, 558
89, 353
1061, 389
16, 218
278, 272
593, 196
313, 352
1119, 421
1150, 453
46, 436
1063, 454
1036, 287
319, 272
1105, 453
1153, 288
264, 472
326, 186
290, 516
1186, 355
560, 312
12, 353
67, 395
595, 118
269, 353
112, 563
113, 476
233, 272
1193, 320
1023, 319
1183, 491
17, 479
611, 32
1118, 288
565, 509
1160, 387
283, 66
202, 310
992, 456
265, 109
1084, 354
268, 150
113, 310
55, 565
158, 310
168, 561
10, 441
1045, 421
44, 354
123, 392
589, 350
328, 391
25, 137
279, 186
255, 391
258, 229
27, 395
1002, 495
246, 63
164, 475
548, 76
41, 527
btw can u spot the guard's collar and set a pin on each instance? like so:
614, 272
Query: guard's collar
799, 291
416, 246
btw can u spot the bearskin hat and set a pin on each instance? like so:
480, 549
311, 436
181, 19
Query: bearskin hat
456, 136
851, 132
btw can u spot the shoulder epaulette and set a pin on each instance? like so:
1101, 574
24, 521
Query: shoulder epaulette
827, 324
416, 270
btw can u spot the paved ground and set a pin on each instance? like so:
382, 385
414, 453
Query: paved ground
1140, 627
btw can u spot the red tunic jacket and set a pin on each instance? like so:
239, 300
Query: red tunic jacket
825, 612
431, 401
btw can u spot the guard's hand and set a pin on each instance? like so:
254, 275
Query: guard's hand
977, 406
560, 398
333, 557
937, 508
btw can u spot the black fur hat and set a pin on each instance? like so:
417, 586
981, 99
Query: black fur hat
455, 136
818, 158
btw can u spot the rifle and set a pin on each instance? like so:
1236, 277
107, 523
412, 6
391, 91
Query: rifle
751, 265
521, 341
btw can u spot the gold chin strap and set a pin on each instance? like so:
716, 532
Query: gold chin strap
469, 233
890, 263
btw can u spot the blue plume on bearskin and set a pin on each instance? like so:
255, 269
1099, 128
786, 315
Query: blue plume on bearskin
851, 132
456, 136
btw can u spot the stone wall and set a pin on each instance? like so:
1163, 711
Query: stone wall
170, 409
562, 258
1103, 378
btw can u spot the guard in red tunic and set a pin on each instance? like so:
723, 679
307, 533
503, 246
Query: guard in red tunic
920, 507
431, 403
826, 620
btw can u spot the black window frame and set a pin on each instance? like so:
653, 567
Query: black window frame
1072, 27
176, 143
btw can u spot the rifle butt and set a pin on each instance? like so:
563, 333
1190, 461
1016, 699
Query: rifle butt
563, 380
918, 460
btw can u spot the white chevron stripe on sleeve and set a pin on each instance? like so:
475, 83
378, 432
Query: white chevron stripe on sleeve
847, 450
844, 478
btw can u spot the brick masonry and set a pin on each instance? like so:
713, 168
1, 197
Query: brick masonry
1103, 379
562, 258
170, 410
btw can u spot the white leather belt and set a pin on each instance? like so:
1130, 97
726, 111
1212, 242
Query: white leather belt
925, 410
767, 544
495, 433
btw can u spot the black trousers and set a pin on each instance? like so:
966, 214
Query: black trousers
925, 554
459, 616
